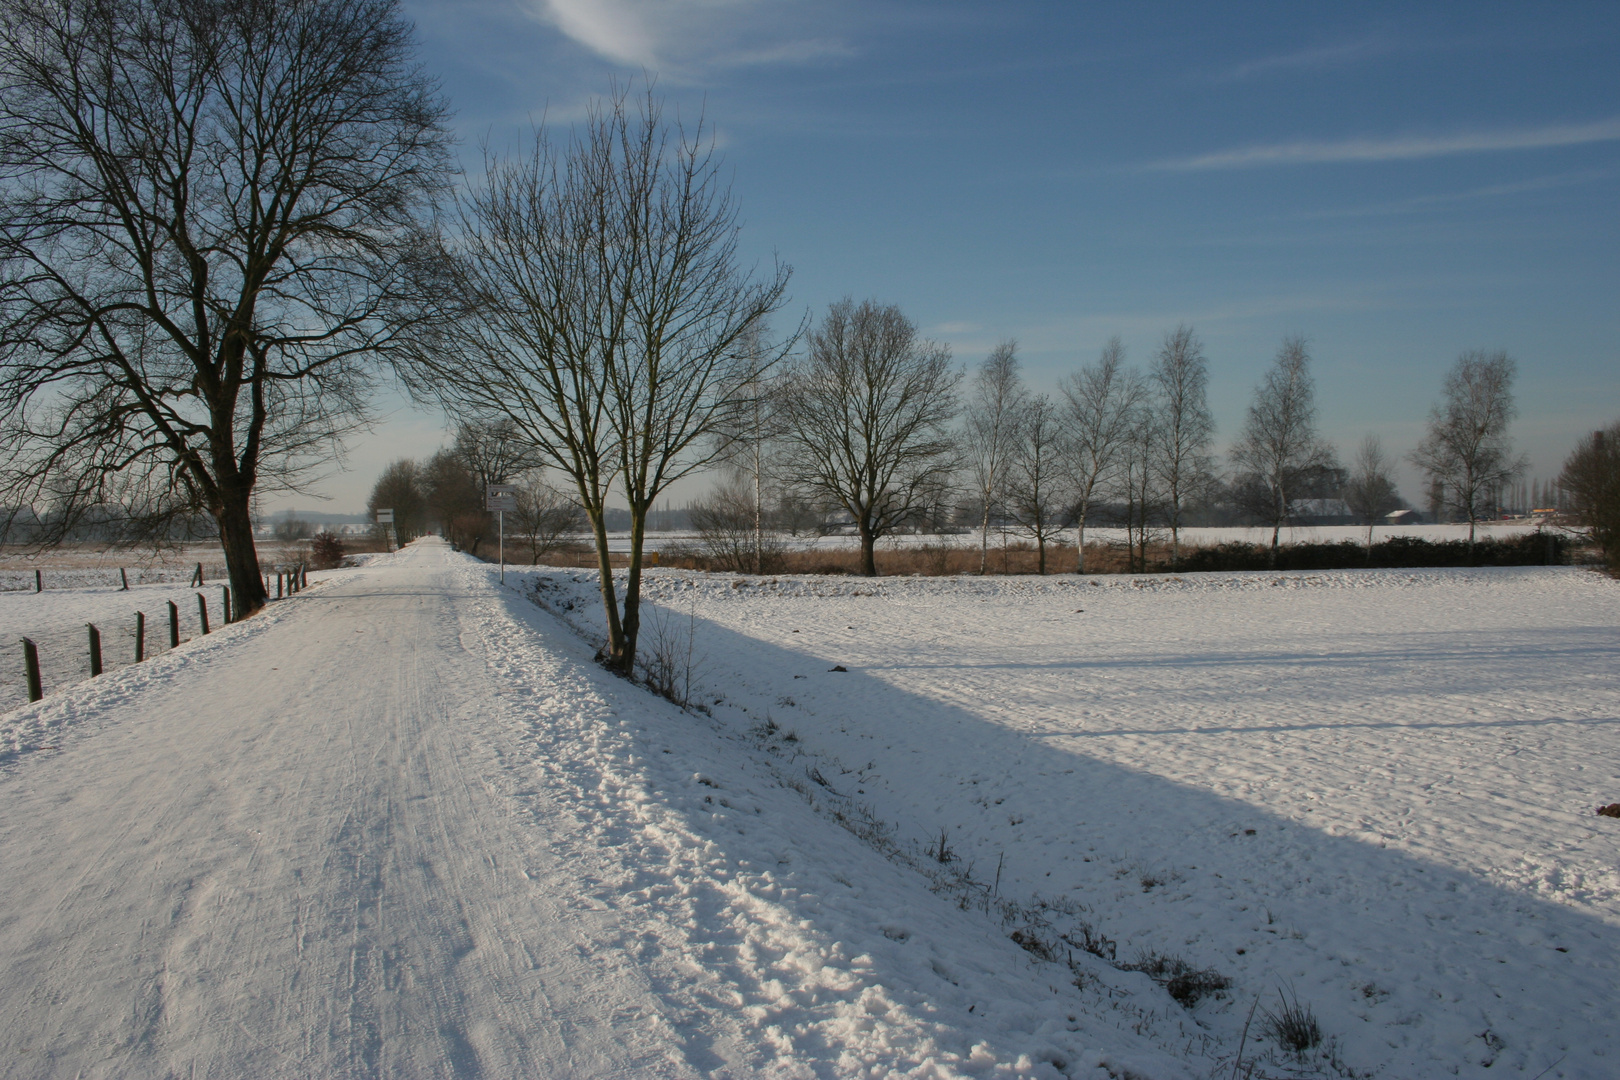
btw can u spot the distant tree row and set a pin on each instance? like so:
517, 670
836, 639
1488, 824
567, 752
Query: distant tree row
870, 426
446, 494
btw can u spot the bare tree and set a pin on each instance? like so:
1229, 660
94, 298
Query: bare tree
494, 452
994, 401
1591, 481
1103, 405
1137, 497
1039, 486
1279, 445
1370, 492
209, 216
748, 439
727, 521
1466, 452
869, 408
545, 515
1179, 379
608, 316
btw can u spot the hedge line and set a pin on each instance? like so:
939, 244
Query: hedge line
1528, 549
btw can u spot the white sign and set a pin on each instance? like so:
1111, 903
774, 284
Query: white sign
501, 497
385, 517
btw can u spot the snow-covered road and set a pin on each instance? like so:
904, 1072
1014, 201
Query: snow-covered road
286, 862
401, 826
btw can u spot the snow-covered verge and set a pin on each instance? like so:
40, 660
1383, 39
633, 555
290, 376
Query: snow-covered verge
1369, 791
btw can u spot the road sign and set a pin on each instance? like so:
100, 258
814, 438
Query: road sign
501, 497
385, 517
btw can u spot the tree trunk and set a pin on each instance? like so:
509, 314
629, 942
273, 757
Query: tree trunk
241, 557
610, 602
1080, 541
868, 559
984, 539
759, 519
632, 590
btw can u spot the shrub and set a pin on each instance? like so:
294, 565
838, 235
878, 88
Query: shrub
325, 551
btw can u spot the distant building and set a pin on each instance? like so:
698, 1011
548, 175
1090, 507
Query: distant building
1403, 517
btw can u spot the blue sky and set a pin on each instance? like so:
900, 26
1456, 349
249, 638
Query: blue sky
1396, 182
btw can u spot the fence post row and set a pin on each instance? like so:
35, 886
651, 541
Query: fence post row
95, 650
202, 611
140, 636
174, 626
31, 663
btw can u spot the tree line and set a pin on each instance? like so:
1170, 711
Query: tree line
872, 426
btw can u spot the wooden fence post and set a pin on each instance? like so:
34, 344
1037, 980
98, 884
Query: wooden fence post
279, 576
202, 611
123, 576
140, 636
225, 599
174, 625
39, 583
31, 662
197, 578
95, 650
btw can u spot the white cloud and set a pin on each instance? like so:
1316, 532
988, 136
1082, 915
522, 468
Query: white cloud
684, 39
612, 28
1404, 148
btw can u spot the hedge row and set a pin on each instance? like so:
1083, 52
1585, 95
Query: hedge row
1526, 549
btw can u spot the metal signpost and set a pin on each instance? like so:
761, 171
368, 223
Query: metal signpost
501, 498
386, 517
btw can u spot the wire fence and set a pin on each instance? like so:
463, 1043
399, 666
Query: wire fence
63, 645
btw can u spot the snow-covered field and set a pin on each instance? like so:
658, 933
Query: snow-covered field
402, 825
1373, 790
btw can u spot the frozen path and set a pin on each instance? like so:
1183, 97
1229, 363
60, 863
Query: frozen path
285, 862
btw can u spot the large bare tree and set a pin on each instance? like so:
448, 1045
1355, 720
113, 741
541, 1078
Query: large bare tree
209, 213
609, 319
1104, 406
1466, 452
995, 399
1279, 445
869, 408
1183, 428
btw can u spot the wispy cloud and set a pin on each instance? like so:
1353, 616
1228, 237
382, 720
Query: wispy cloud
1323, 57
1405, 148
687, 39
